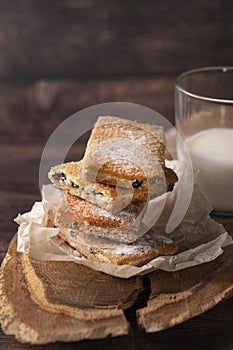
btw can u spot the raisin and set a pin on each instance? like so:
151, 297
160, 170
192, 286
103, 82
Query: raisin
72, 233
137, 184
97, 193
170, 187
75, 224
92, 251
59, 176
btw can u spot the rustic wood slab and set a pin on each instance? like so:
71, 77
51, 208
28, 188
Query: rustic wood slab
43, 302
56, 283
179, 296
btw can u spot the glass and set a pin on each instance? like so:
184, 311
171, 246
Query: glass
204, 118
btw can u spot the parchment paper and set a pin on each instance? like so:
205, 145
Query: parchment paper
200, 238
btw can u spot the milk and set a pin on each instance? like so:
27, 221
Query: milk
211, 151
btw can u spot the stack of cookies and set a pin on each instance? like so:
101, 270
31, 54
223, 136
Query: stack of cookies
106, 194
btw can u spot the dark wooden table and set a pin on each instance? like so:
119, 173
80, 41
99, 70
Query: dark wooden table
57, 57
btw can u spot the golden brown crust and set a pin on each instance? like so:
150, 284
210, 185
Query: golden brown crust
120, 155
147, 142
145, 249
65, 219
96, 216
66, 176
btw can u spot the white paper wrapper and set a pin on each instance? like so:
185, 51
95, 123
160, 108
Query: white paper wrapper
200, 238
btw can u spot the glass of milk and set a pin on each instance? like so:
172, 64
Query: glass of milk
204, 118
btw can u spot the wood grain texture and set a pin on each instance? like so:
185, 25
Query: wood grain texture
21, 315
178, 296
44, 302
78, 286
31, 111
92, 38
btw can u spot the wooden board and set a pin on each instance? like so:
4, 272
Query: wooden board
179, 296
68, 38
44, 302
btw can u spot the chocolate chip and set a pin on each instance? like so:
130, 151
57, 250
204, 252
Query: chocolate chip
74, 185
92, 251
59, 176
137, 184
